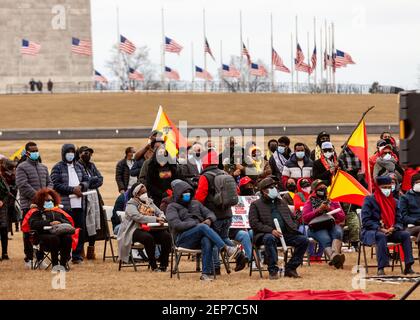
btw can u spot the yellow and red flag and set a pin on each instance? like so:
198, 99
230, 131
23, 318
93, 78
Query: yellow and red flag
345, 188
17, 155
358, 144
170, 133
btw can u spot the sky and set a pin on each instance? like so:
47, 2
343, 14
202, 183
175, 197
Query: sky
380, 35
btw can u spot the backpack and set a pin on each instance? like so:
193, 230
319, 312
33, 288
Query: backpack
225, 190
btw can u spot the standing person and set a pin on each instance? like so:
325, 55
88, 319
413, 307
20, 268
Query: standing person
322, 137
39, 86
272, 147
50, 86
147, 151
262, 213
32, 85
330, 238
298, 166
195, 157
382, 223
279, 158
233, 154
141, 167
122, 171
326, 166
69, 178
95, 216
31, 176
285, 141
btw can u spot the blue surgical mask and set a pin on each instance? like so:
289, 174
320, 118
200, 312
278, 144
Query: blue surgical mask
300, 154
386, 192
273, 193
34, 156
69, 157
186, 197
48, 205
281, 149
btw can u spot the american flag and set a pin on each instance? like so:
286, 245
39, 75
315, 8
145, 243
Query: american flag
258, 71
230, 71
135, 75
83, 47
172, 46
278, 62
171, 74
328, 61
100, 78
207, 49
30, 48
342, 59
245, 52
303, 67
126, 45
203, 74
300, 57
314, 59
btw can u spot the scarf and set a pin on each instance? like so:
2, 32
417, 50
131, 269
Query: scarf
387, 207
280, 160
316, 202
328, 164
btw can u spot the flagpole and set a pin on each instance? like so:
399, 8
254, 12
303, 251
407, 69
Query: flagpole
330, 51
292, 65
322, 56
326, 58
192, 66
163, 48
309, 63
297, 41
315, 54
241, 47
333, 52
272, 46
221, 64
205, 55
118, 44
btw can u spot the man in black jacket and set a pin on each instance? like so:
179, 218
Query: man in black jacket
261, 218
122, 171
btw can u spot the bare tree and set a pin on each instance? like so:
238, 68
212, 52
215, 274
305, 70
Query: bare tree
120, 64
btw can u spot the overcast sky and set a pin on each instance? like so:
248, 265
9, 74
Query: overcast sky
382, 36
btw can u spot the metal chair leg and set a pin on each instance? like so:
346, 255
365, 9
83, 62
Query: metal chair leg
365, 260
106, 241
358, 256
172, 262
114, 258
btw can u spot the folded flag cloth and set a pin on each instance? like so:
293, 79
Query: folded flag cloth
266, 294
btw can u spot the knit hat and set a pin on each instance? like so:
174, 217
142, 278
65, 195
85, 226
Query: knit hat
383, 180
327, 145
415, 178
137, 189
317, 183
211, 158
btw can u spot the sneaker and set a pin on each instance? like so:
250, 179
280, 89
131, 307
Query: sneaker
5, 256
254, 266
408, 270
291, 274
217, 271
42, 266
137, 256
241, 262
273, 276
28, 264
231, 252
381, 272
206, 277
76, 261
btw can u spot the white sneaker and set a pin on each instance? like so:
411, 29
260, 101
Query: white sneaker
136, 255
42, 266
232, 252
28, 265
206, 277
254, 266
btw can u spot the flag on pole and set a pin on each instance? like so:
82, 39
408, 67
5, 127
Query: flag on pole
135, 75
314, 59
203, 74
343, 58
230, 72
18, 154
345, 188
172, 46
100, 78
207, 49
358, 144
258, 70
245, 52
81, 47
30, 48
171, 74
278, 62
170, 133
126, 45
300, 65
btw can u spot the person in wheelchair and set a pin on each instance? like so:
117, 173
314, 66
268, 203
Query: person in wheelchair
45, 219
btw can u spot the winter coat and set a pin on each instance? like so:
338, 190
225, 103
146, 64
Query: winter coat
40, 219
31, 176
122, 175
292, 170
309, 213
409, 207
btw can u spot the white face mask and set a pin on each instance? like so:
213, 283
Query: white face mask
387, 157
386, 192
144, 197
328, 155
416, 187
307, 190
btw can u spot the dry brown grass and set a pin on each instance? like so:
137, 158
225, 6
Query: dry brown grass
139, 109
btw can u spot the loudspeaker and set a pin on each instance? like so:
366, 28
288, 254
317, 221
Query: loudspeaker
410, 128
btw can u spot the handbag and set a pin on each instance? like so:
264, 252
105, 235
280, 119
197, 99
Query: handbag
62, 229
322, 222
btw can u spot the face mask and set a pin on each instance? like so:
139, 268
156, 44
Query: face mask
48, 205
186, 197
291, 187
86, 158
247, 192
198, 154
387, 157
307, 190
300, 154
393, 187
182, 161
69, 157
322, 193
386, 192
273, 193
273, 148
281, 150
416, 187
328, 155
144, 197
34, 156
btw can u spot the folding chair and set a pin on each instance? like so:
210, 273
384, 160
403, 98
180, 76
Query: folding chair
315, 243
132, 262
256, 257
38, 248
108, 237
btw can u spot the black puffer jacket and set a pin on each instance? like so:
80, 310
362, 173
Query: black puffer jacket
181, 216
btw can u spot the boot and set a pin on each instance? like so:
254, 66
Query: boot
90, 253
338, 258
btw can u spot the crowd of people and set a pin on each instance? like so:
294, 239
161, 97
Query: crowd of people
194, 195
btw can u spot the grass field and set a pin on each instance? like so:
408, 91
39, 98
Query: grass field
139, 109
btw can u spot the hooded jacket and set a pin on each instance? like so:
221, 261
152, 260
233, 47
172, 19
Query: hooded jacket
60, 177
183, 216
316, 153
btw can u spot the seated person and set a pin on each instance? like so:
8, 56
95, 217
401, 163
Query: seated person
382, 223
262, 213
190, 223
141, 210
291, 191
45, 215
120, 204
330, 239
409, 209
299, 199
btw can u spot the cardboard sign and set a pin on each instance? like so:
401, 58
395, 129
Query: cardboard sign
240, 212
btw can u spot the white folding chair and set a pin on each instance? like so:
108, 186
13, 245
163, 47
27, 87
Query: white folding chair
109, 237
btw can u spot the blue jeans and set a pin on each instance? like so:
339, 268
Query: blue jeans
326, 237
303, 229
201, 237
222, 229
381, 240
245, 238
270, 242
